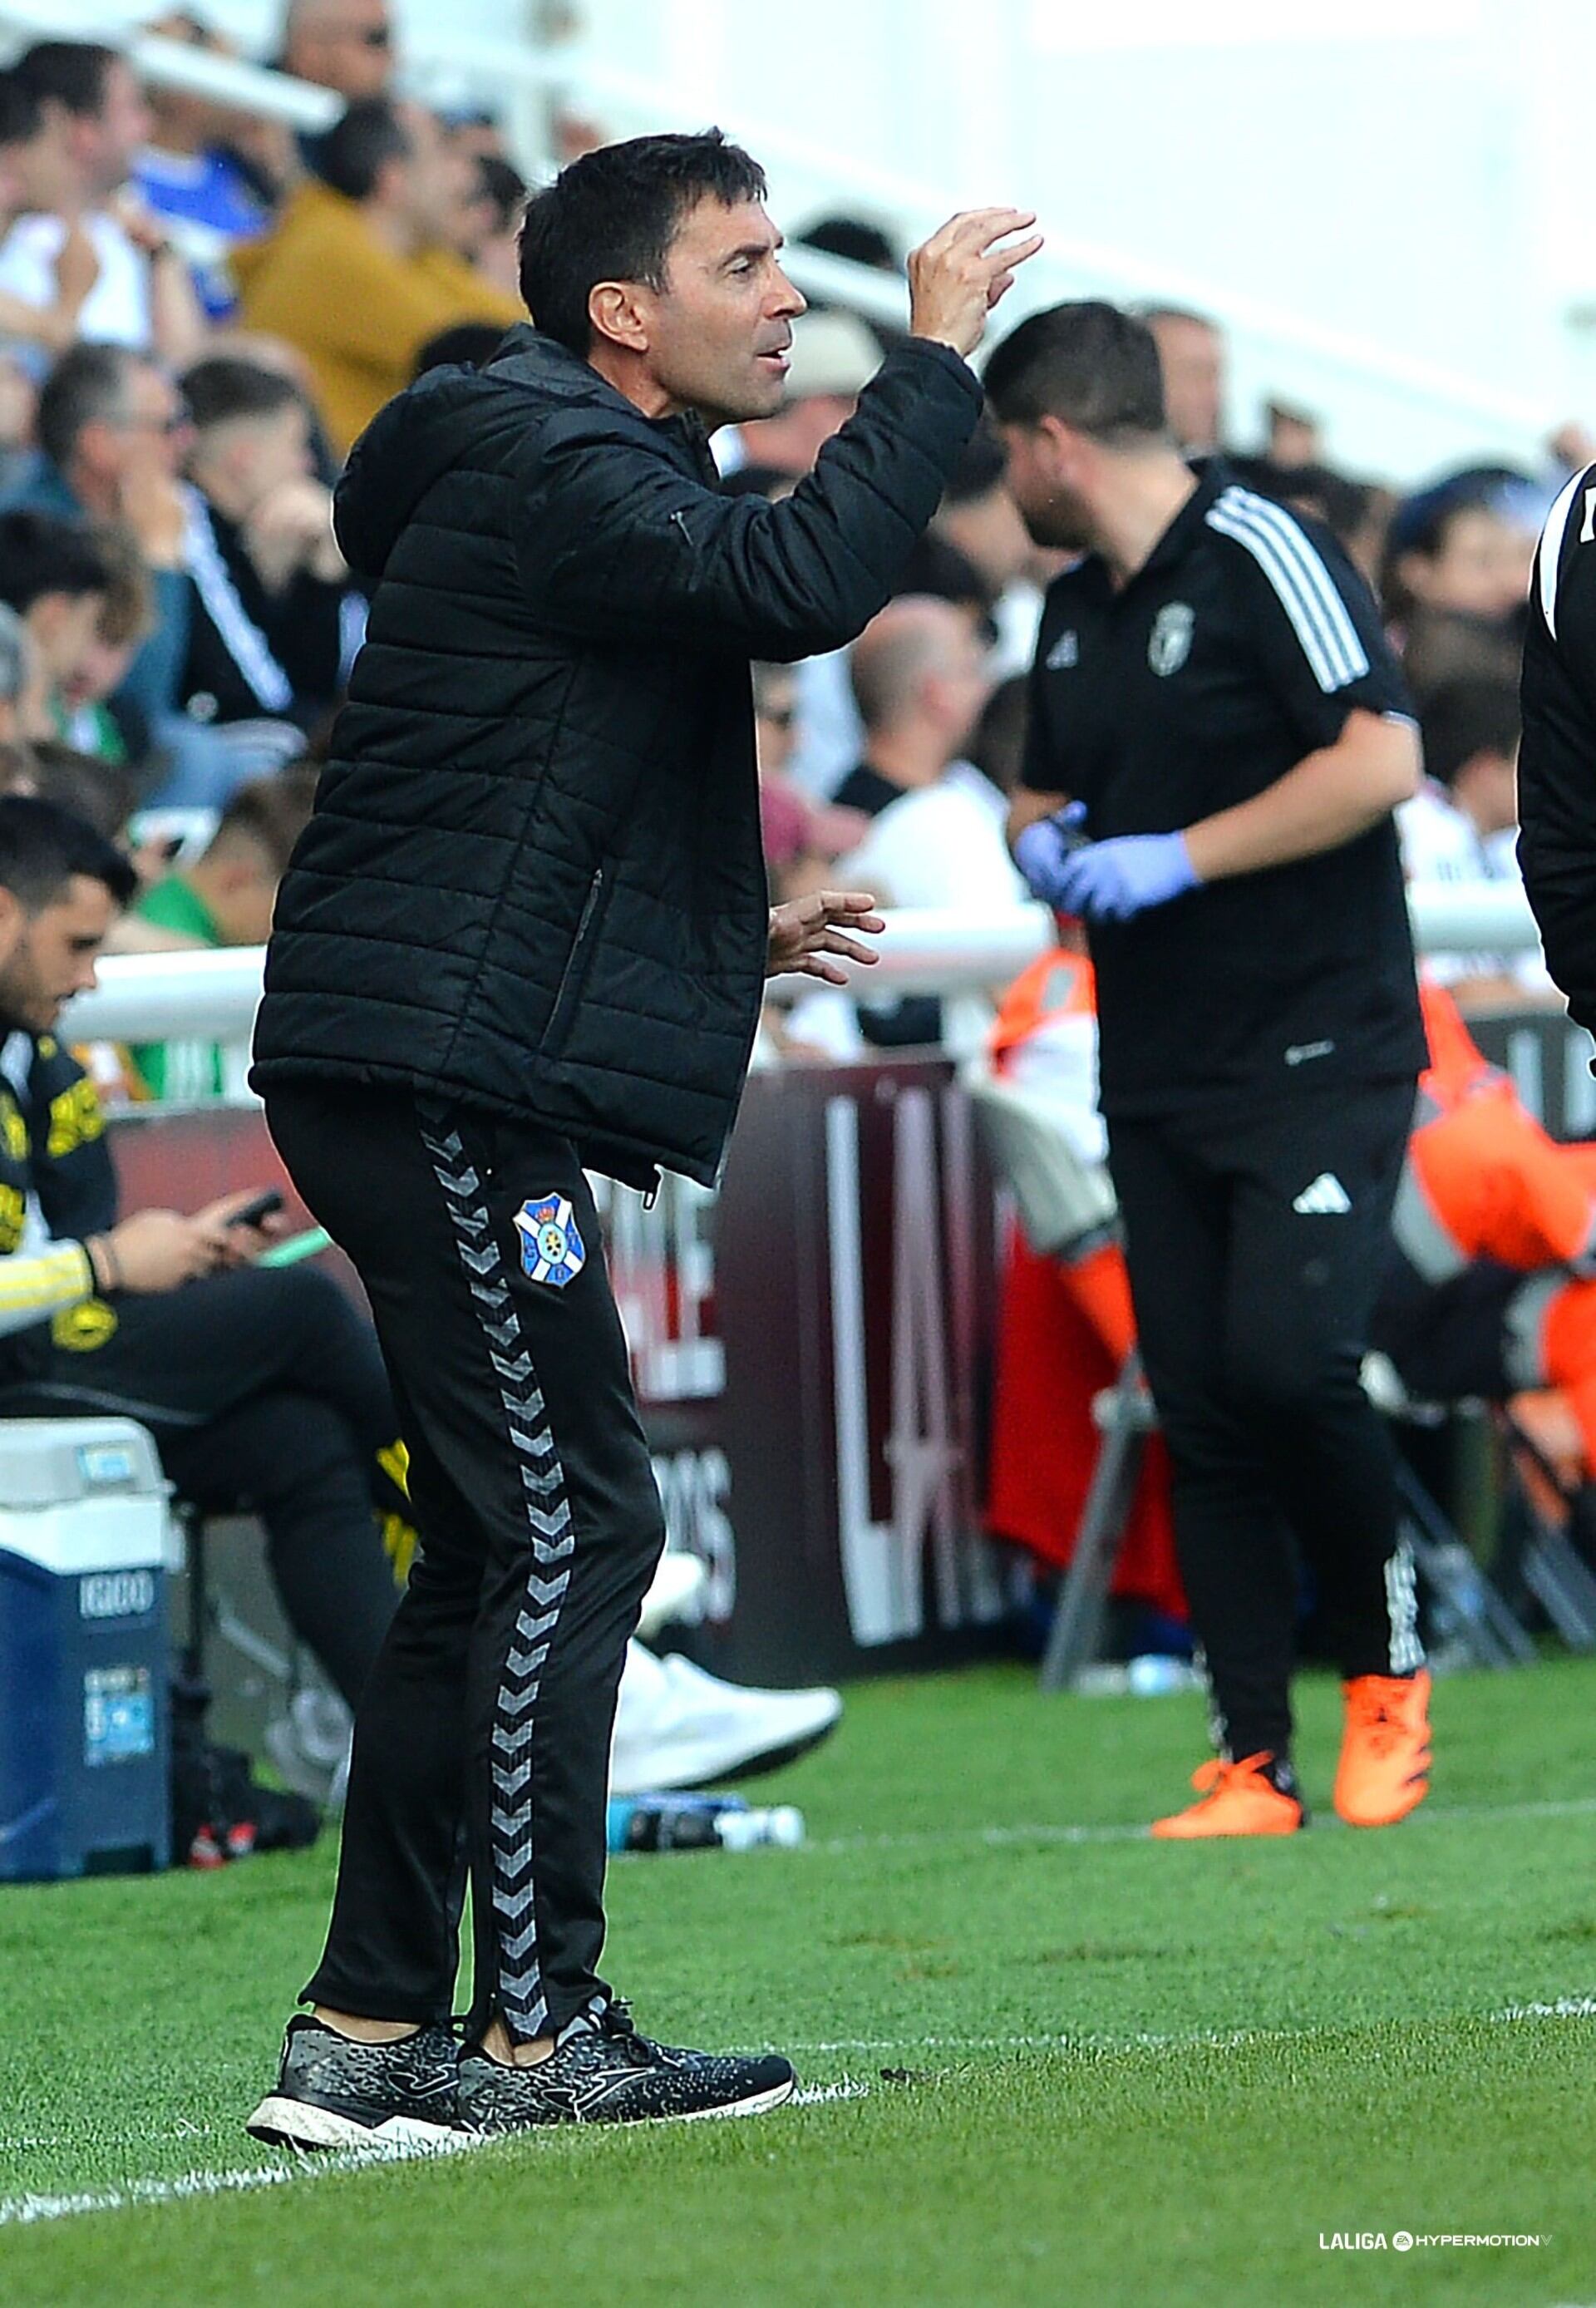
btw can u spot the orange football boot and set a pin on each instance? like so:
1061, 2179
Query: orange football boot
1237, 1799
1385, 1750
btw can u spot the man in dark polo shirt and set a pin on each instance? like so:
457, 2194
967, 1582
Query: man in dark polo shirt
1218, 737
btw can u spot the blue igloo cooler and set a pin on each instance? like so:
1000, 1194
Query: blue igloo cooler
83, 1650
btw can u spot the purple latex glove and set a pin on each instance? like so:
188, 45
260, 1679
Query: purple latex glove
1043, 850
1109, 881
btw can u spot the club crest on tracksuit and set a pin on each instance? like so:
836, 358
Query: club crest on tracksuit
1170, 643
551, 1248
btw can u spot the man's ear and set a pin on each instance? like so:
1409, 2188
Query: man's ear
615, 315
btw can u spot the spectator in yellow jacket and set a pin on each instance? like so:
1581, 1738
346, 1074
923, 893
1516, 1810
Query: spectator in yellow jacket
357, 274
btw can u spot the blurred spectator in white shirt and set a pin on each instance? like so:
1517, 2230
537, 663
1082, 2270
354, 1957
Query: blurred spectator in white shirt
920, 678
1461, 827
142, 295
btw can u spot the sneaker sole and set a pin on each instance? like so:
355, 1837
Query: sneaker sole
759, 2103
720, 1764
285, 2123
756, 2104
1385, 1818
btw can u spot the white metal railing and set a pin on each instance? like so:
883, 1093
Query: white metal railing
160, 996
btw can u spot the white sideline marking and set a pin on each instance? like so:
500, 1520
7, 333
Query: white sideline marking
1140, 2040
23, 2212
20, 2211
1566, 2007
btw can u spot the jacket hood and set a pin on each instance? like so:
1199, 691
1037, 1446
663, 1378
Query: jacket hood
419, 436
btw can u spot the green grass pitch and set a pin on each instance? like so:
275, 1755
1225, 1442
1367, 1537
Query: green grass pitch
1079, 2067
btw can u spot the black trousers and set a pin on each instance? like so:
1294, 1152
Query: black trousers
265, 1392
491, 1707
1257, 1242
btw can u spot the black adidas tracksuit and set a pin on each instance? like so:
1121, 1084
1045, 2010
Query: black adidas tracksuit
526, 929
1260, 1043
1557, 760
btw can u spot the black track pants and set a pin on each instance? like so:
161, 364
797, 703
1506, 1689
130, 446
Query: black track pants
1257, 1242
492, 1704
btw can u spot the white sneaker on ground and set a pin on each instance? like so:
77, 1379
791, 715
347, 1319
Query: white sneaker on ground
679, 1585
676, 1726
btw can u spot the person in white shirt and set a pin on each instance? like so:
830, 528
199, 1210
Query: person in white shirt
141, 294
1462, 826
942, 844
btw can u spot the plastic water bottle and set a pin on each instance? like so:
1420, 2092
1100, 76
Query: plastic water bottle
698, 1823
1154, 1674
1149, 1676
744, 1831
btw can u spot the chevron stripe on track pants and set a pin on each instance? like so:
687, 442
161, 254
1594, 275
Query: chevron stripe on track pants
486, 1723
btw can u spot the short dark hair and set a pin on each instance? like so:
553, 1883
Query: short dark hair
68, 73
983, 462
351, 154
612, 215
87, 383
41, 554
854, 239
20, 115
224, 387
505, 186
43, 846
273, 811
98, 792
468, 344
940, 568
997, 743
1475, 713
1089, 363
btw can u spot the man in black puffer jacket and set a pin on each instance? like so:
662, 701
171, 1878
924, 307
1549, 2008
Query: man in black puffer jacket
527, 931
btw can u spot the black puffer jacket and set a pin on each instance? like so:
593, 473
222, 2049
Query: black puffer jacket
534, 878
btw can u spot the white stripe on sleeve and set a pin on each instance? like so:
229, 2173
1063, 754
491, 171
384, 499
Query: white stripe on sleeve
1548, 553
1302, 584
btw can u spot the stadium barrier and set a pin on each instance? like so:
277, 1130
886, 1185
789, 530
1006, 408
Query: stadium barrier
147, 997
812, 1345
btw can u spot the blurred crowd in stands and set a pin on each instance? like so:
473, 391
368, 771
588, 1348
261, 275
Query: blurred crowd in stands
199, 312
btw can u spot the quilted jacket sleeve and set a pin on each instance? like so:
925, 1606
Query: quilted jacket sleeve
615, 544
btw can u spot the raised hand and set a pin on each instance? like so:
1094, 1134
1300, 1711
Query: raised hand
959, 274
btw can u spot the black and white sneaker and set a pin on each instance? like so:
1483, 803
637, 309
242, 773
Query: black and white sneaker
334, 2093
602, 2071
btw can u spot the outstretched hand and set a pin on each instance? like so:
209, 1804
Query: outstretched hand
961, 273
805, 933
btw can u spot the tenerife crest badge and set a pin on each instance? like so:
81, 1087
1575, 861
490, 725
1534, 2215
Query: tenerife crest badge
551, 1248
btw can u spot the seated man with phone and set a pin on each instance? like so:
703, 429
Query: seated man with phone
262, 1387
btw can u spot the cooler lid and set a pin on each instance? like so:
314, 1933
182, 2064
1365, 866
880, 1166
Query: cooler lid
51, 1462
